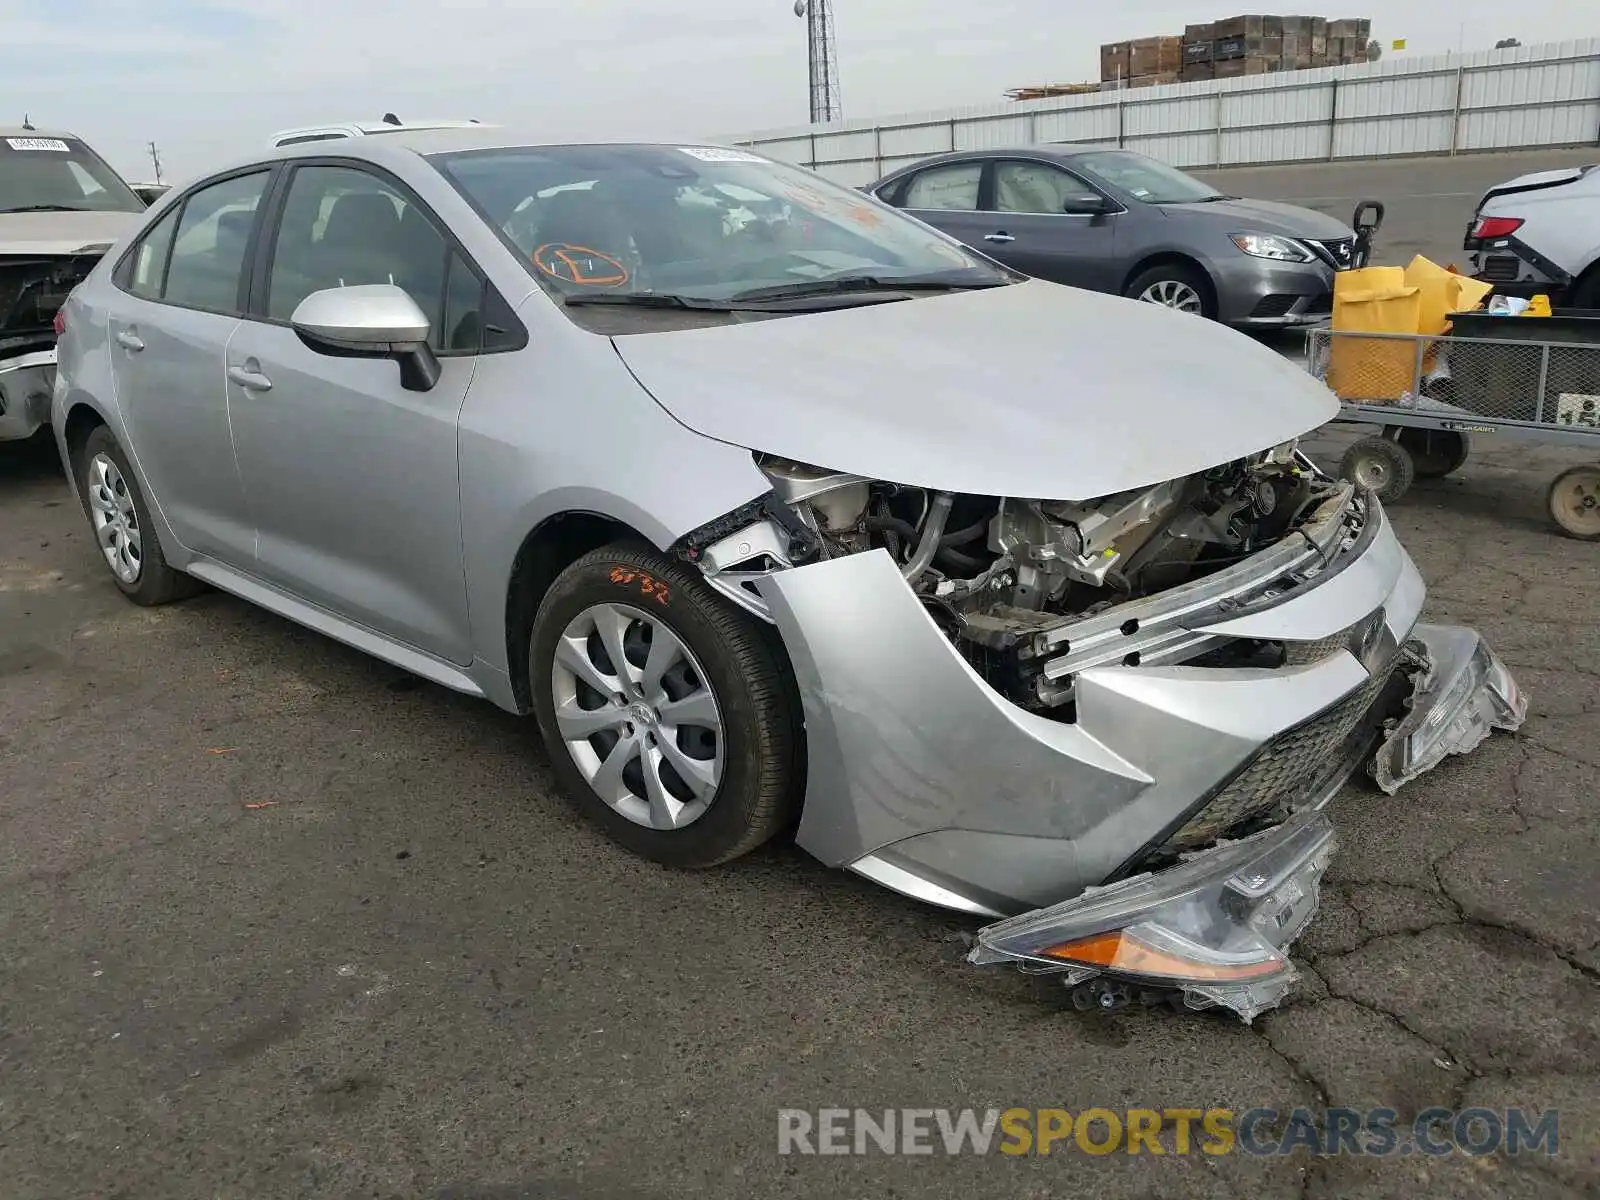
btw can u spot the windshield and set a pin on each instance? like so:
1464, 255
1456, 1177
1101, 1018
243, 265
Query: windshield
705, 224
53, 174
1143, 178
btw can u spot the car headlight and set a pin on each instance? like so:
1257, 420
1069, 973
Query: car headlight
1270, 245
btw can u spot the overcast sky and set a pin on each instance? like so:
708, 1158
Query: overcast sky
211, 79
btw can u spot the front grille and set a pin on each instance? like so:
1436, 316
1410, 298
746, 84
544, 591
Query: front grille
1501, 268
1283, 772
1339, 253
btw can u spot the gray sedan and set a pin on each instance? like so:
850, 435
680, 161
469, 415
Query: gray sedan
781, 511
1121, 222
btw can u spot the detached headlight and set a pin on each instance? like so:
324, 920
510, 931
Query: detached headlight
1217, 926
1270, 245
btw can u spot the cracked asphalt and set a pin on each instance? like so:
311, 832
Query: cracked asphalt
278, 920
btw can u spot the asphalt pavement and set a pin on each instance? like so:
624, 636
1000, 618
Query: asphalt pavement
279, 920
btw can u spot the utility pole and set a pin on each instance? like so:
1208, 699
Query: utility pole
823, 65
155, 161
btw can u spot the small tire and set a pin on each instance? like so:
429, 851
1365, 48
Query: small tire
1435, 453
740, 662
1380, 466
108, 482
1573, 502
1176, 280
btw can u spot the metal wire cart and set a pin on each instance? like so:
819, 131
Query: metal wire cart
1524, 378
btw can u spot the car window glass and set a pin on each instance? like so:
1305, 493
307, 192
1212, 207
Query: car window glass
209, 248
949, 187
150, 258
1030, 187
342, 227
92, 188
463, 308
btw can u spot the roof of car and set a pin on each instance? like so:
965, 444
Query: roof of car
18, 131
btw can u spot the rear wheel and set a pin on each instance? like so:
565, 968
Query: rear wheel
1435, 452
667, 712
1173, 285
1574, 502
123, 533
1380, 466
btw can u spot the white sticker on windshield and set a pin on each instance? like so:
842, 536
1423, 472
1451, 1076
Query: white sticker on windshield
718, 154
39, 144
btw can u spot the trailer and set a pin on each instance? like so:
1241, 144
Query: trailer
1533, 379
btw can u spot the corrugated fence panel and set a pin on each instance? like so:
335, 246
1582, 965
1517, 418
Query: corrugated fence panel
989, 133
1525, 96
832, 147
1509, 129
1078, 125
1399, 136
853, 174
917, 139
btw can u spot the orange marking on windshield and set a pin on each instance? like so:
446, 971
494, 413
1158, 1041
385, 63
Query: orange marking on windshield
583, 266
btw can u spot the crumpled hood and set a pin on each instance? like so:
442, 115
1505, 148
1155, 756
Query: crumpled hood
62, 232
1033, 390
1264, 216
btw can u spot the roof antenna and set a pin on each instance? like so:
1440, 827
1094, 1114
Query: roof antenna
27, 121
390, 119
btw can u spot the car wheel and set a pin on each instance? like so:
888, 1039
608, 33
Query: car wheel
1435, 452
1173, 285
668, 713
1574, 502
1380, 466
123, 533
1586, 295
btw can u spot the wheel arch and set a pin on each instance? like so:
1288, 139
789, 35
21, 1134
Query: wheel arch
1171, 258
82, 419
547, 550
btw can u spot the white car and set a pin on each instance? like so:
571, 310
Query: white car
1541, 233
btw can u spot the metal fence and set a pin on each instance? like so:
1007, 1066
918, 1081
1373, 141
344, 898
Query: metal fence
1519, 98
1545, 383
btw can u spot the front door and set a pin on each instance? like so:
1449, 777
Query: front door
946, 197
1030, 202
352, 479
176, 306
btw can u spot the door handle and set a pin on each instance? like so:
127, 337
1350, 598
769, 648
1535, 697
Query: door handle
253, 381
129, 341
998, 237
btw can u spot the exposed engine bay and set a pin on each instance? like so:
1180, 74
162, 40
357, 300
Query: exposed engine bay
1003, 577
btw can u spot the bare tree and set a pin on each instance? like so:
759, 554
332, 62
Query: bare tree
1506, 43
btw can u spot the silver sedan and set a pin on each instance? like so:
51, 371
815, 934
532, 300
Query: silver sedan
780, 510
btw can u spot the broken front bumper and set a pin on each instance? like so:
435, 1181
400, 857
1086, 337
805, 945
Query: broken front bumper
1217, 927
26, 382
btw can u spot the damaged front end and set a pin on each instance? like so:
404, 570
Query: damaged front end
33, 287
1114, 722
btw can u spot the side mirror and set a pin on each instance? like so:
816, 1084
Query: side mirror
1084, 203
374, 320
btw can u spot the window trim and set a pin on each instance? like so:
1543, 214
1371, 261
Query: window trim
121, 273
267, 246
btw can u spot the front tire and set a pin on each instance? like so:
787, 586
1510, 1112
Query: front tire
1175, 286
668, 713
119, 519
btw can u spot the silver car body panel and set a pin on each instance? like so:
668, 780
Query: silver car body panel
900, 391
899, 727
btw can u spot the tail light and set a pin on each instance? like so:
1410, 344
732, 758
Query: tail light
60, 322
1489, 228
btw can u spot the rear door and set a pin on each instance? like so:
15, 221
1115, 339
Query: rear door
178, 301
946, 196
1029, 200
353, 479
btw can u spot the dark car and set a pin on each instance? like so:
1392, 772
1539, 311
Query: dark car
1116, 221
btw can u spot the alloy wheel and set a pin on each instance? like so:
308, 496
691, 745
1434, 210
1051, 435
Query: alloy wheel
116, 520
1173, 293
638, 716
